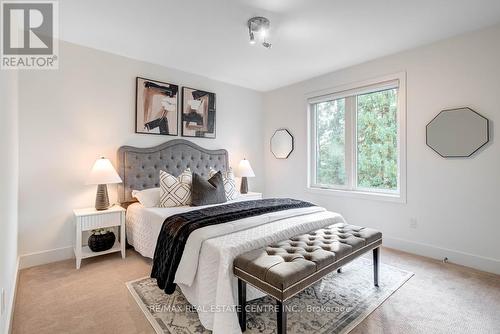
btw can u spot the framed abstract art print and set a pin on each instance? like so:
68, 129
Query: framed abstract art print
156, 109
198, 113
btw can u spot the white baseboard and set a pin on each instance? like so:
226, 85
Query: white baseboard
465, 259
47, 256
12, 300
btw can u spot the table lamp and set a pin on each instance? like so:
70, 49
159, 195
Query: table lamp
244, 171
102, 174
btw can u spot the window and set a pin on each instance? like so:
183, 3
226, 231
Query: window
357, 139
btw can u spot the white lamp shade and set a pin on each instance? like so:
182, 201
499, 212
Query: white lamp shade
244, 169
103, 172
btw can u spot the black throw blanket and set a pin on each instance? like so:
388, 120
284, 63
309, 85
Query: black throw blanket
177, 228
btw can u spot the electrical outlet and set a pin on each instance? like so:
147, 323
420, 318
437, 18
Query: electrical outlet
413, 223
2, 302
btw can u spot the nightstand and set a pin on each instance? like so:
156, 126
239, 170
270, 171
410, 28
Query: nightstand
250, 196
90, 219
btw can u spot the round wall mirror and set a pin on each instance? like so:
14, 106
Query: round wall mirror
281, 144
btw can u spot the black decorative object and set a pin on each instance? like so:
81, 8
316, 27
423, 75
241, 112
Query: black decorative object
457, 133
101, 241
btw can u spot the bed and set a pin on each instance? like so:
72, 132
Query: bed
205, 274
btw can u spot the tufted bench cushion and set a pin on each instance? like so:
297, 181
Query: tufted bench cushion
288, 262
285, 268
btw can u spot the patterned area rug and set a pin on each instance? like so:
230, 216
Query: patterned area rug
335, 305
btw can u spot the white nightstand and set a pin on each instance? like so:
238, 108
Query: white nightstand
90, 219
251, 195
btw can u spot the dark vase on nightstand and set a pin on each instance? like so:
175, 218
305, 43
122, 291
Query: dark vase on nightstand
101, 242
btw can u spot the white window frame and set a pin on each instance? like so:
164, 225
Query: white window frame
350, 189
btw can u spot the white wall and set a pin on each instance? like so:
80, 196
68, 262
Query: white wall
8, 195
455, 201
86, 109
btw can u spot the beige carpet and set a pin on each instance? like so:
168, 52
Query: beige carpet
440, 298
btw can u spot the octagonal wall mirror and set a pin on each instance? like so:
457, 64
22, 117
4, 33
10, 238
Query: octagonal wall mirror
281, 144
457, 133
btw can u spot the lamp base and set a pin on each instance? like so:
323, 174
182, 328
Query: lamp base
102, 199
244, 185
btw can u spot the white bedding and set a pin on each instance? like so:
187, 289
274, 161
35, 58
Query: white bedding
205, 271
144, 224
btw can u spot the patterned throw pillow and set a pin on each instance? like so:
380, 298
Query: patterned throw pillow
175, 191
229, 183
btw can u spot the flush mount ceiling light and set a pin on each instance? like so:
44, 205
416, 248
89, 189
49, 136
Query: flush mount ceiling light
258, 29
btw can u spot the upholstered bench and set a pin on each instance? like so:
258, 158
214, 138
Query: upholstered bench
286, 268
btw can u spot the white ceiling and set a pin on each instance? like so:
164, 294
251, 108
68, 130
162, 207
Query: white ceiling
310, 37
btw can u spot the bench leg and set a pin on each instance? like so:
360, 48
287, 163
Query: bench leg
281, 317
376, 262
242, 300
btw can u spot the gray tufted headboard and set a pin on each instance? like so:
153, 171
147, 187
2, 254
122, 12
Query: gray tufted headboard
139, 168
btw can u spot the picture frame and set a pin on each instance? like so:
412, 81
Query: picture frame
198, 113
156, 107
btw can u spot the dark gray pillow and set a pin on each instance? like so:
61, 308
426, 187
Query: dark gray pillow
205, 192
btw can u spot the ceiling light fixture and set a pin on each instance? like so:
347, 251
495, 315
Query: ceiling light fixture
252, 38
259, 27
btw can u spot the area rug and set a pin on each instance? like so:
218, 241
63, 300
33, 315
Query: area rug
335, 305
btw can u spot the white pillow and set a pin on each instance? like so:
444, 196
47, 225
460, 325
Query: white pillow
229, 183
150, 198
175, 191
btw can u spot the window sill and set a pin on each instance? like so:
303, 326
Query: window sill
385, 197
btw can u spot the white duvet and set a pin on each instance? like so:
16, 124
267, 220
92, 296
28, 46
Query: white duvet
205, 273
